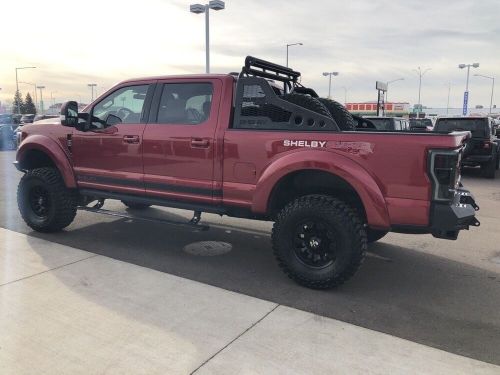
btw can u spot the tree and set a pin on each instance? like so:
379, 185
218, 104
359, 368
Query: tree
18, 104
29, 106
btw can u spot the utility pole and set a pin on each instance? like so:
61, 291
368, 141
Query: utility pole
420, 75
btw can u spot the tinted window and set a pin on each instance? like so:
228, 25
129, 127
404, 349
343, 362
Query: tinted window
478, 127
185, 103
382, 123
126, 103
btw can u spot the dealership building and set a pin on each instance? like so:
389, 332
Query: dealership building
370, 108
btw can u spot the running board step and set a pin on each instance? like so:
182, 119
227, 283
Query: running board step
190, 224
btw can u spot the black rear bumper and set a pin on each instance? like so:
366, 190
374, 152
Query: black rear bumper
449, 218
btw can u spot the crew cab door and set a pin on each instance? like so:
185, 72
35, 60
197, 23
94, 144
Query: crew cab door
178, 143
108, 155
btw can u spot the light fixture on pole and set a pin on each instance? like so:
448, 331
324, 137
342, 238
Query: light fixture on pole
289, 45
41, 98
92, 85
420, 75
492, 88
17, 85
200, 8
389, 82
466, 93
34, 89
330, 74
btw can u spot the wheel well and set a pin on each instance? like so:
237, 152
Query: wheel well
36, 159
307, 182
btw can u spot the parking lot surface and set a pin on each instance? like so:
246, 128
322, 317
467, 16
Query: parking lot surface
442, 294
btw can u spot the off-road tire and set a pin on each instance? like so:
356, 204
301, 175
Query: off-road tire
307, 102
374, 235
60, 202
136, 206
339, 113
488, 169
342, 220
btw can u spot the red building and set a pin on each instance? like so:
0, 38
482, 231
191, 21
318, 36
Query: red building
370, 108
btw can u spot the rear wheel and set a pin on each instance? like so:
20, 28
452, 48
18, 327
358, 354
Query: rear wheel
136, 206
319, 241
44, 202
339, 113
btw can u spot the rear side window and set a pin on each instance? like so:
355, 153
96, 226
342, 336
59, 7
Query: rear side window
185, 103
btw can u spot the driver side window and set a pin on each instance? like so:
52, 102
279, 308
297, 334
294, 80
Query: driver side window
125, 104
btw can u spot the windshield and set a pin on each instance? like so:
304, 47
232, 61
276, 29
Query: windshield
382, 123
477, 126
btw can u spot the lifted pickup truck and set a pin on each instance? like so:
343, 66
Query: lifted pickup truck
246, 146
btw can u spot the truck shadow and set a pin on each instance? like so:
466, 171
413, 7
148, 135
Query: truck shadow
398, 291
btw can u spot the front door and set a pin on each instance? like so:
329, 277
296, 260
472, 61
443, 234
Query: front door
179, 143
108, 156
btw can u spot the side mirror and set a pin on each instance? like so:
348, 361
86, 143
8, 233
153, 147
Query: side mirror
69, 114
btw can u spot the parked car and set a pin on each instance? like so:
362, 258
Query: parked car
44, 117
423, 124
7, 137
27, 119
237, 146
482, 149
389, 123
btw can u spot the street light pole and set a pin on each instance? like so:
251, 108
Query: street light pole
200, 8
420, 75
17, 85
448, 101
330, 74
41, 98
388, 82
345, 95
492, 88
92, 85
289, 45
466, 93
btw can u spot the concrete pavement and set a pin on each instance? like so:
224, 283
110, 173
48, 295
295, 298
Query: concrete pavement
68, 311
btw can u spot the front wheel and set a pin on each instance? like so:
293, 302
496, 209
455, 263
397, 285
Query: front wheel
319, 241
44, 202
375, 235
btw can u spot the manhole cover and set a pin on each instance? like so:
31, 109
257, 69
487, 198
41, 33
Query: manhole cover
208, 248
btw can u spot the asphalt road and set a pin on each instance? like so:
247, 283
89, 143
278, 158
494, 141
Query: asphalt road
445, 294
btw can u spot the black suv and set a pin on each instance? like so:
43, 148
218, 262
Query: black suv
7, 126
482, 149
389, 123
423, 124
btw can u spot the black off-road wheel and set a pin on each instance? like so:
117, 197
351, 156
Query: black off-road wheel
319, 241
375, 235
488, 169
44, 202
339, 113
136, 206
307, 102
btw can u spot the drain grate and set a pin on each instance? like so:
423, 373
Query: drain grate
208, 248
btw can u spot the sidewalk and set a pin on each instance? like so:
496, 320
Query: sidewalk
67, 311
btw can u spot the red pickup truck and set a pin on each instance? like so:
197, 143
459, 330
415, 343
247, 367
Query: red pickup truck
256, 145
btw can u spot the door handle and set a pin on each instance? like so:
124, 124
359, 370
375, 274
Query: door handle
201, 143
131, 139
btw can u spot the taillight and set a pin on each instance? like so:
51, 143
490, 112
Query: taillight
444, 169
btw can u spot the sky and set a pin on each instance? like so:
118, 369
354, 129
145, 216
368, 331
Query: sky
106, 41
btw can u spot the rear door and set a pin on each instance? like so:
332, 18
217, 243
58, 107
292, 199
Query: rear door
179, 145
108, 156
